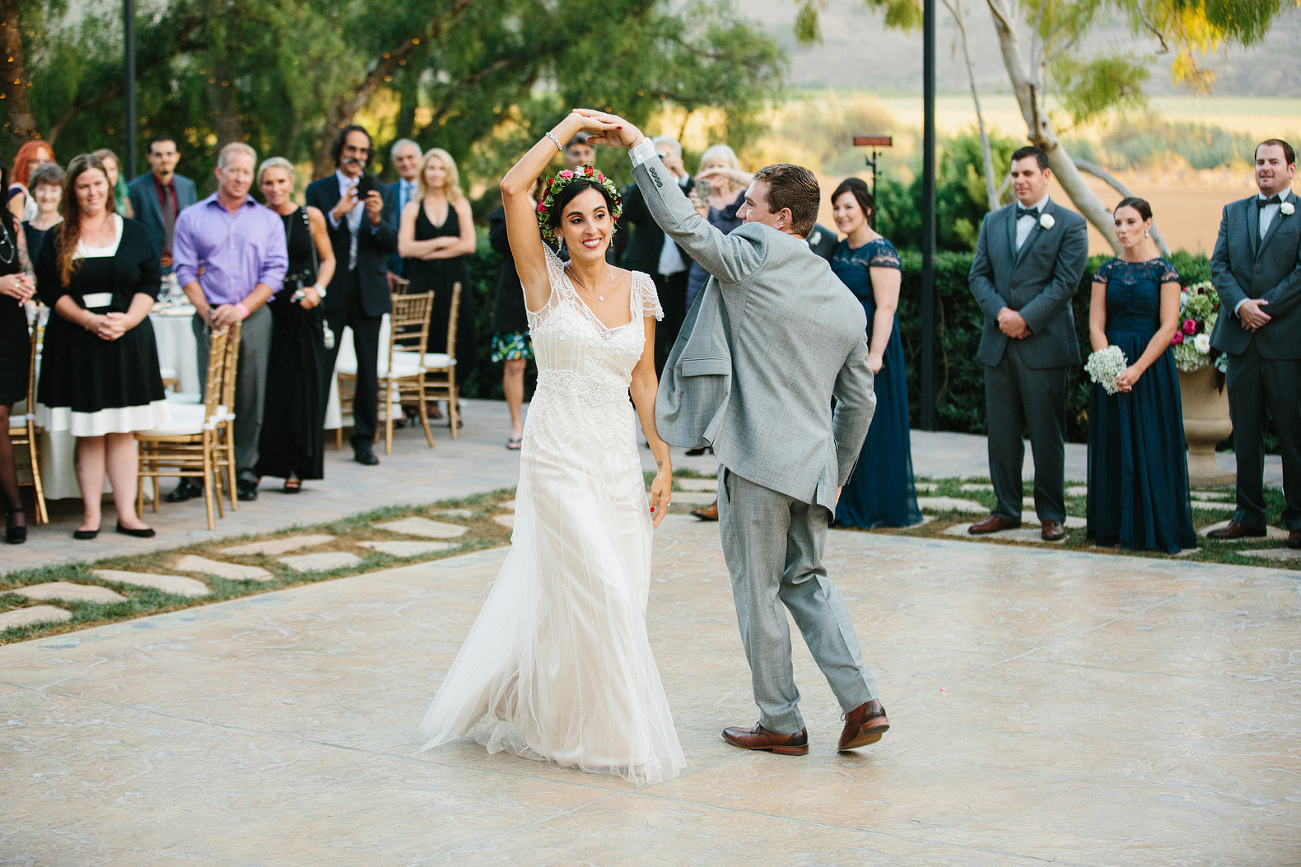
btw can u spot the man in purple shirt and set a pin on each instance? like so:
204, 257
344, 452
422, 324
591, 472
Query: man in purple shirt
230, 258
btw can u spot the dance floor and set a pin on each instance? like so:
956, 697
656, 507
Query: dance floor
1046, 706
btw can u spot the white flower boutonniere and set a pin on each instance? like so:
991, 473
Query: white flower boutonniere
815, 239
1047, 221
1287, 209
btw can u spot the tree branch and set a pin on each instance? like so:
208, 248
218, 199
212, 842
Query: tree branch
1099, 172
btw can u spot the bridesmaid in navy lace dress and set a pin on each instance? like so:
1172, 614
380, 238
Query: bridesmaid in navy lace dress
1138, 472
880, 493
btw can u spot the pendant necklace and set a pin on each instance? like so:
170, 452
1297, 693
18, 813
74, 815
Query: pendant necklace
584, 285
7, 241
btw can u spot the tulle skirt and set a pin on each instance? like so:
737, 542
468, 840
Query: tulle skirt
558, 666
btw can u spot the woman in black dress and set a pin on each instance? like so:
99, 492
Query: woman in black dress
436, 234
99, 274
292, 444
16, 289
46, 185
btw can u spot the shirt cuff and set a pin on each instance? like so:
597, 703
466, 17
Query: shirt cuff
1238, 306
329, 215
642, 153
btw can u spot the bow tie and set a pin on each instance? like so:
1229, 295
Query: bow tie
1272, 200
1026, 212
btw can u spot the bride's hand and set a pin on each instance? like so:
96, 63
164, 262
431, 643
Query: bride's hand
661, 494
608, 129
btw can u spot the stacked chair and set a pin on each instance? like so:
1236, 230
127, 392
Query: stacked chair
199, 441
440, 369
23, 429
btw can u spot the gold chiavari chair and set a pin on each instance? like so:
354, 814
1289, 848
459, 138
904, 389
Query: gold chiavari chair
23, 428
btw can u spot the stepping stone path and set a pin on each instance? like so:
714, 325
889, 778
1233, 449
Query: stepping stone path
944, 504
507, 521
928, 487
708, 485
34, 614
423, 527
407, 549
272, 547
1077, 491
69, 592
509, 505
975, 486
1272, 533
1211, 506
322, 561
458, 513
1275, 554
175, 584
692, 498
1213, 496
1028, 532
229, 571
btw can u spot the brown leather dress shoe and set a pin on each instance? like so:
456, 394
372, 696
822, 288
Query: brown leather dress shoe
709, 513
1052, 531
864, 725
759, 738
1234, 530
992, 524
1294, 539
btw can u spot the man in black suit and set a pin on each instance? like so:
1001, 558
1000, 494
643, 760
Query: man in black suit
653, 252
358, 295
1256, 268
1029, 260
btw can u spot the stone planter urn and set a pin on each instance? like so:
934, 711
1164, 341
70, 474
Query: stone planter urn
1206, 422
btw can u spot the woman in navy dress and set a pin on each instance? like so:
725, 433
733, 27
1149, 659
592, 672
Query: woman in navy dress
880, 493
1138, 472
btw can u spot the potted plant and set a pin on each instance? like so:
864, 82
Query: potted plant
1201, 384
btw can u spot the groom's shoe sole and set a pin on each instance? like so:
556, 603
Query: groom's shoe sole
759, 738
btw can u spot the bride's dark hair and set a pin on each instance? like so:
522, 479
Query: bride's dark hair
565, 196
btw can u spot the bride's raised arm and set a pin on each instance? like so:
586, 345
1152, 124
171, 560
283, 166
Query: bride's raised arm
521, 215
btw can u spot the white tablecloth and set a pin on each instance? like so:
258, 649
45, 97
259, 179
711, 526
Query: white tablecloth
176, 346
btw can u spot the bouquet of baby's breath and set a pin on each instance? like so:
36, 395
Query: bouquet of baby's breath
1105, 365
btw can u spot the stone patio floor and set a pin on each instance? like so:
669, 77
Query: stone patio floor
1047, 706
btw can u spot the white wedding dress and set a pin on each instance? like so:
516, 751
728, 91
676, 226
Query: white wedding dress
558, 666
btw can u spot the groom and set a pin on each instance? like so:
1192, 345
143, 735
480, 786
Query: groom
770, 340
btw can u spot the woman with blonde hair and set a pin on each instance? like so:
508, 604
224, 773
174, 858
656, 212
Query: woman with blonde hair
721, 173
435, 237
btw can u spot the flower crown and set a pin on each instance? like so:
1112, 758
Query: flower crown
556, 185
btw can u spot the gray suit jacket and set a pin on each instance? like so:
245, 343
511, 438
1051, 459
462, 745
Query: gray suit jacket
770, 340
1037, 281
1244, 266
144, 201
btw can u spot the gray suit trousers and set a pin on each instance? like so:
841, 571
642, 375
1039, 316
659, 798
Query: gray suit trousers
250, 383
1024, 399
773, 545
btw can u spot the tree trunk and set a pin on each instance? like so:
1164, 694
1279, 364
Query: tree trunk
960, 18
1099, 172
1041, 132
16, 106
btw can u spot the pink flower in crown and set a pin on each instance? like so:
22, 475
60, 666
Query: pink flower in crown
1177, 339
542, 207
1190, 326
600, 177
566, 174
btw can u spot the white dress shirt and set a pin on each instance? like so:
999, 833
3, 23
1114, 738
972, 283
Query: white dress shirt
1025, 225
354, 216
406, 192
671, 261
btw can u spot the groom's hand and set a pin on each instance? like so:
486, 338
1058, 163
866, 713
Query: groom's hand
609, 129
1012, 324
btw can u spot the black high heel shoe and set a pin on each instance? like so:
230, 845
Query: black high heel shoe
15, 534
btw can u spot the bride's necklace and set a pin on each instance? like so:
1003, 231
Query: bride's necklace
608, 280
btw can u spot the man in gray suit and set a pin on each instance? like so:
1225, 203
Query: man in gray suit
1029, 260
1256, 268
770, 340
159, 196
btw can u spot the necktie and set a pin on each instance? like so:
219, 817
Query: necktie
1272, 200
169, 216
1026, 212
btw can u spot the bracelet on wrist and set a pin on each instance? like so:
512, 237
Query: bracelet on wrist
554, 140
242, 310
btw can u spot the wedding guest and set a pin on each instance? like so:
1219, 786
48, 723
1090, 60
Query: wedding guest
1029, 259
405, 156
230, 259
880, 492
100, 379
651, 251
29, 156
158, 197
16, 289
292, 445
726, 194
1138, 472
46, 186
358, 295
436, 236
510, 327
121, 196
1256, 268
578, 152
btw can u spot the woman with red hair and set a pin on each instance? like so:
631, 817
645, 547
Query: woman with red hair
29, 156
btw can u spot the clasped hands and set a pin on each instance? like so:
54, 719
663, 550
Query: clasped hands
1012, 324
107, 326
1251, 316
17, 286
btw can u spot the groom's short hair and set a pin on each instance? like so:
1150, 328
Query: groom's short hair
1289, 155
1040, 157
792, 187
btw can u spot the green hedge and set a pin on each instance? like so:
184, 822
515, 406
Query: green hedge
959, 374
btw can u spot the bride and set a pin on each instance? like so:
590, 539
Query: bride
558, 666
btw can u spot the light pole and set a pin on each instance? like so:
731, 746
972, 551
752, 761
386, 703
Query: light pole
874, 142
129, 85
928, 218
